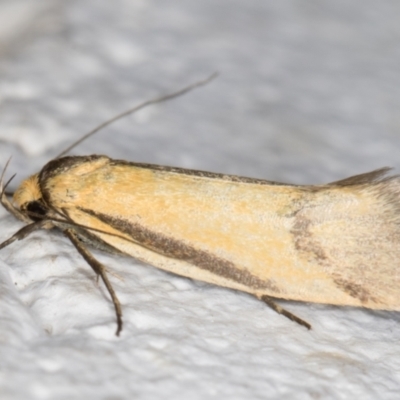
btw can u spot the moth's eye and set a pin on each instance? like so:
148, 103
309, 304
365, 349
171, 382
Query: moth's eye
37, 208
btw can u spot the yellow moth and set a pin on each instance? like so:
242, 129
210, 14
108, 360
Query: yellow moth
335, 244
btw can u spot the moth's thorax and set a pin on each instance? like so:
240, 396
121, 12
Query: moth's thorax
27, 192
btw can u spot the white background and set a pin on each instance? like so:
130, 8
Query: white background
309, 92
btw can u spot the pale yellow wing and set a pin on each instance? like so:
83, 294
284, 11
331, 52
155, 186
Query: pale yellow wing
335, 244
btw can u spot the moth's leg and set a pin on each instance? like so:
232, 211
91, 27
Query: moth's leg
24, 232
100, 270
276, 307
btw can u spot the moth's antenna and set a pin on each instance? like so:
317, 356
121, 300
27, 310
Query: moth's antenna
139, 107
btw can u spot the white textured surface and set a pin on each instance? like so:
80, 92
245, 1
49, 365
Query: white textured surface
309, 92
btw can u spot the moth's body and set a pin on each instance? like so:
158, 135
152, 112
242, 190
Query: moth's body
335, 244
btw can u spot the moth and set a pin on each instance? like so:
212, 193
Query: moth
335, 244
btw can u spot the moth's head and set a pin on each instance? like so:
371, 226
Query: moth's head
28, 198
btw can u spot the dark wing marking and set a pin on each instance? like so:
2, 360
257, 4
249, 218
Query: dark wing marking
180, 250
